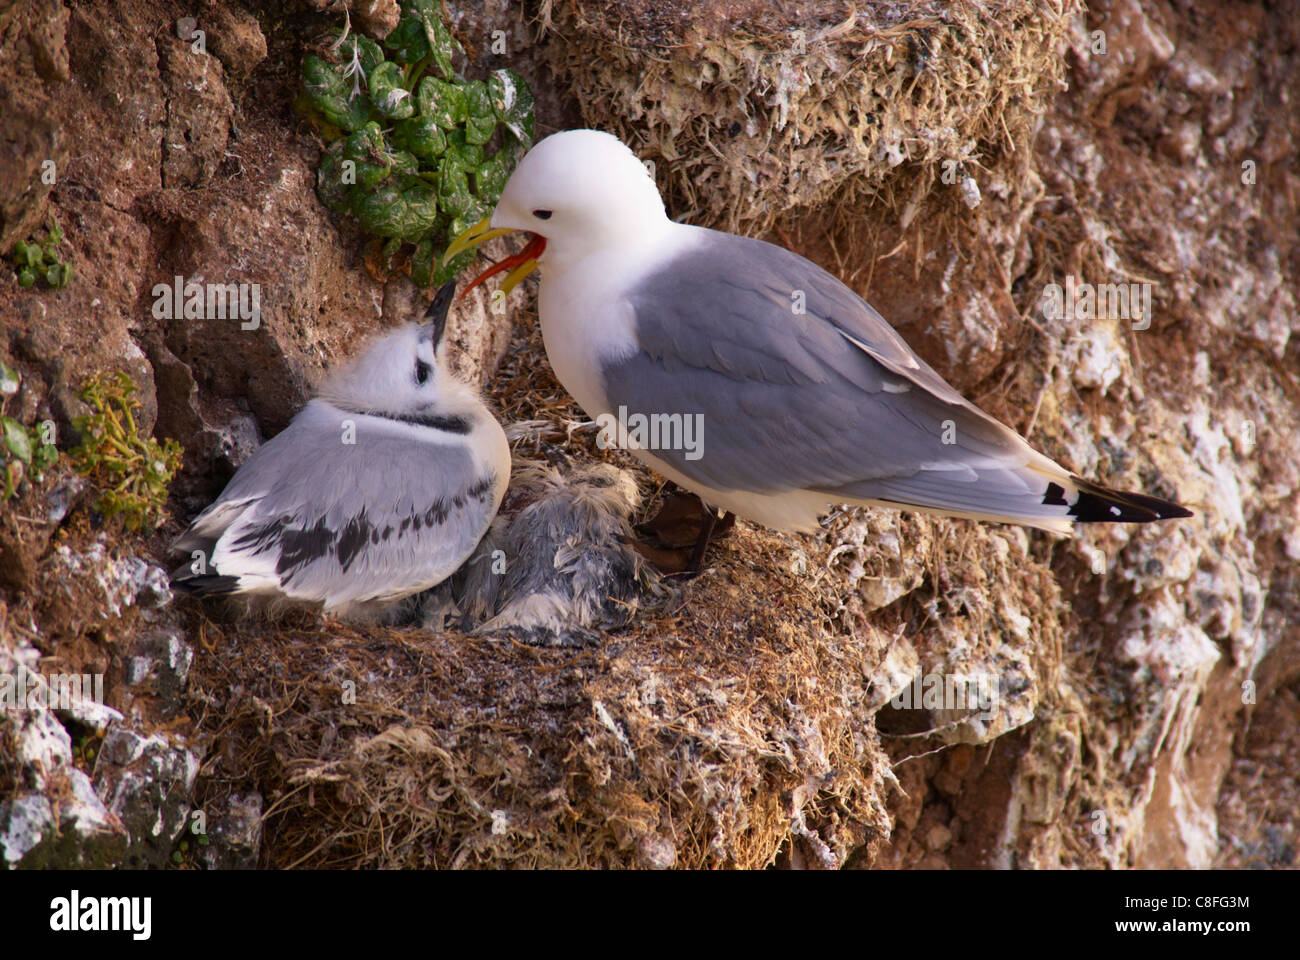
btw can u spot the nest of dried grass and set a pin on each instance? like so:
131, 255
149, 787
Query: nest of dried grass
750, 114
709, 735
702, 738
733, 727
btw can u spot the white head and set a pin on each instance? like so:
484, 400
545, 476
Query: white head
402, 372
583, 190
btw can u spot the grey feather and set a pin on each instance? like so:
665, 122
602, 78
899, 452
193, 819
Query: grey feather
345, 523
830, 400
562, 536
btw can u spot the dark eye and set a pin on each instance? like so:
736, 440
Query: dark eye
542, 214
421, 372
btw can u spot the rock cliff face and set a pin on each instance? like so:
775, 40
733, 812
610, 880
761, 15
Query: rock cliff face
895, 692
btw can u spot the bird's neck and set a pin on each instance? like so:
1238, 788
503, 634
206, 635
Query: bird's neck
586, 316
629, 249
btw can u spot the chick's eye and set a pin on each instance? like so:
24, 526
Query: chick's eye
542, 214
421, 372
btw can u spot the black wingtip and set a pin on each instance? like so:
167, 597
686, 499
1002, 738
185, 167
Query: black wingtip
1097, 504
203, 585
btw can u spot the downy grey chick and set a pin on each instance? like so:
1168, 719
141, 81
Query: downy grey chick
555, 565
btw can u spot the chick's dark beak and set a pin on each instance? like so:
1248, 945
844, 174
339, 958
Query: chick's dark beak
436, 315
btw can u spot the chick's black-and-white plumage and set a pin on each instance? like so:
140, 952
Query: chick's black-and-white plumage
379, 488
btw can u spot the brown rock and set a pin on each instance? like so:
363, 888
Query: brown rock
235, 36
377, 17
198, 114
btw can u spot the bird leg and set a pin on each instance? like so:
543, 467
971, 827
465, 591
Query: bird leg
680, 532
708, 520
710, 525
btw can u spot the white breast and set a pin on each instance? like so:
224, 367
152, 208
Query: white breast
586, 319
490, 448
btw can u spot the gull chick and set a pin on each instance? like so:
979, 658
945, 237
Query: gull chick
806, 396
565, 529
380, 487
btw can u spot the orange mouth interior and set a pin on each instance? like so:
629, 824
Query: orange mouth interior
531, 251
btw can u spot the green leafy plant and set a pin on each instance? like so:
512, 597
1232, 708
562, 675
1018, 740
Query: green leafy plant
22, 449
185, 856
35, 261
416, 152
85, 746
132, 471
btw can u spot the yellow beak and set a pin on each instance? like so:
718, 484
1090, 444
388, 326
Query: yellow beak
520, 264
481, 232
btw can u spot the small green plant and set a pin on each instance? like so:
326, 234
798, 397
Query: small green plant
35, 261
408, 153
184, 856
132, 471
85, 746
22, 449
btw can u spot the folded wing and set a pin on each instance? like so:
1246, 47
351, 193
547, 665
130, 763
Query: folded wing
801, 385
319, 519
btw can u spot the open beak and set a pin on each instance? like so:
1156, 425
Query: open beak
520, 264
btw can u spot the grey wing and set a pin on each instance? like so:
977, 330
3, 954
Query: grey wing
315, 518
830, 399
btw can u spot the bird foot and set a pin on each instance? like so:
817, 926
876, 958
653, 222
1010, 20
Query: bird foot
680, 533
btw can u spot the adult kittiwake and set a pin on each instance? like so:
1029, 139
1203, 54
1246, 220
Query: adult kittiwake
798, 394
380, 487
